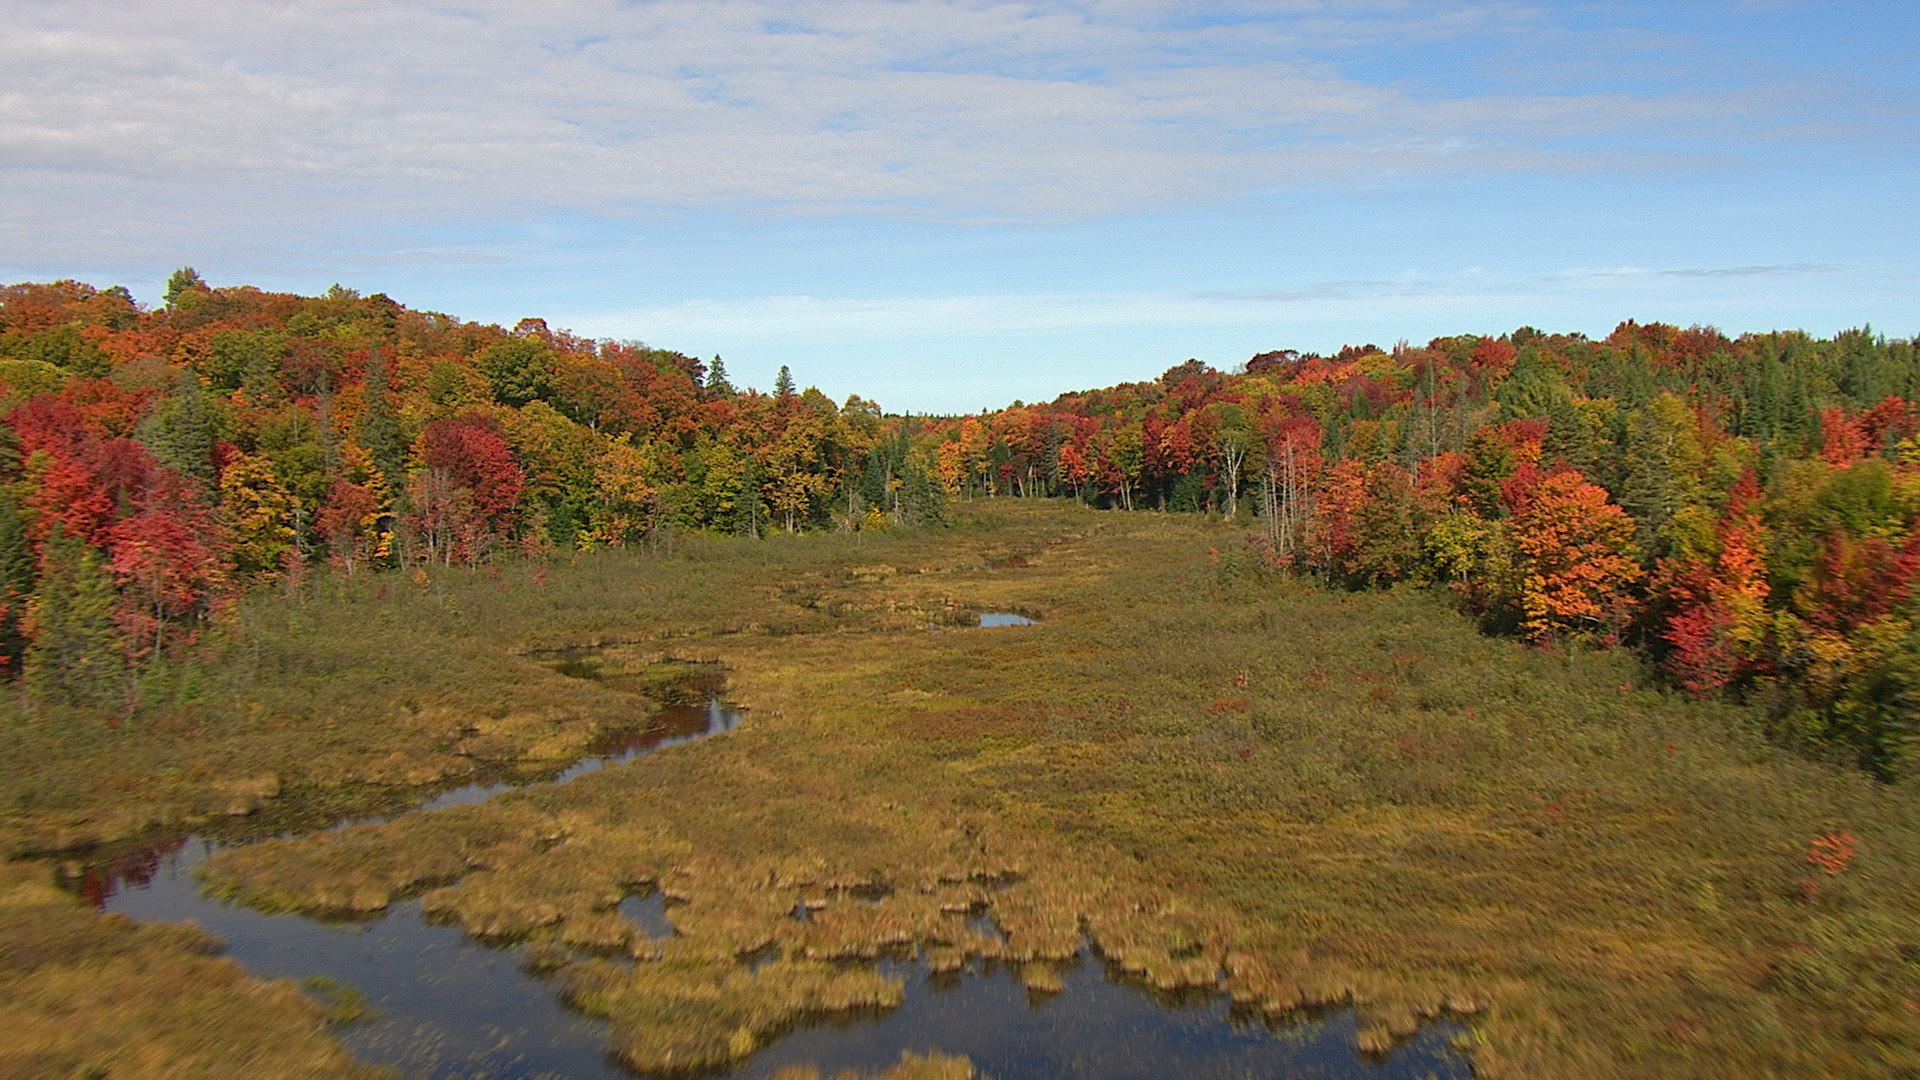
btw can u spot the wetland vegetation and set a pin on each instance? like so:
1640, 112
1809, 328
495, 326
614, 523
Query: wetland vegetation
1222, 779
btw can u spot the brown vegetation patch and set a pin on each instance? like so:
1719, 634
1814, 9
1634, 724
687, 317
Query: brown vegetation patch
1024, 718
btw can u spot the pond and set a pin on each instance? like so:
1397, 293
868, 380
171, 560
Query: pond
445, 1006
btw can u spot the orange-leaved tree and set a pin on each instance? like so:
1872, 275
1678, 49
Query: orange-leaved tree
1581, 561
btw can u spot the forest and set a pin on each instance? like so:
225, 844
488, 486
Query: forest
1740, 512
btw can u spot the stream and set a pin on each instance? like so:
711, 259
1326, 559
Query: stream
445, 1007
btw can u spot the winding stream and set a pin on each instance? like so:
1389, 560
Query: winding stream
449, 1008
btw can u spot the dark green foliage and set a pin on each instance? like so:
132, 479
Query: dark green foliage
16, 582
1489, 463
76, 657
1649, 489
717, 385
182, 431
183, 281
1535, 387
1188, 493
249, 358
783, 383
923, 501
749, 516
1571, 440
380, 429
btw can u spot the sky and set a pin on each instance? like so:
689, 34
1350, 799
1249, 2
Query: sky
945, 207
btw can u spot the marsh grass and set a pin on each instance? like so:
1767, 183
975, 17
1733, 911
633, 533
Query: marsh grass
90, 996
1218, 777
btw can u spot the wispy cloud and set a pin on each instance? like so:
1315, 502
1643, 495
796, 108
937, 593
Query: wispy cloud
1449, 298
295, 118
1774, 270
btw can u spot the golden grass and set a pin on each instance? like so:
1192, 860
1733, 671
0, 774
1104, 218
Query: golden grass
91, 996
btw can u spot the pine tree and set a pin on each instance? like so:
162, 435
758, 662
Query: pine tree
380, 429
183, 280
783, 383
16, 582
182, 432
1534, 388
75, 657
16, 554
717, 385
1570, 439
923, 500
746, 505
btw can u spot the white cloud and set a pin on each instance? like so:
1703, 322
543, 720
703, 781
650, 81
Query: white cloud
271, 124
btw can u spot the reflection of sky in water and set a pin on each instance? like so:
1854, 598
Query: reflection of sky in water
1096, 1028
1004, 618
671, 726
648, 911
447, 1007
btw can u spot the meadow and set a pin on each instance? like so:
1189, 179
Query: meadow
1215, 773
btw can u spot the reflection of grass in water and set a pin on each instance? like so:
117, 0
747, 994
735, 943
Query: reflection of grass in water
344, 1004
81, 995
1395, 810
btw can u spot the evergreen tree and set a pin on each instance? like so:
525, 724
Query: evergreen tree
75, 657
1570, 439
16, 581
717, 385
1535, 386
872, 488
182, 431
16, 554
783, 383
380, 429
183, 280
923, 500
746, 505
1489, 463
1647, 491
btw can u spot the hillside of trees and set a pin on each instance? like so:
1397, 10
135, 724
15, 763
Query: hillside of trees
1741, 510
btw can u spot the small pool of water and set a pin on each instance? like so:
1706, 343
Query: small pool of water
1003, 618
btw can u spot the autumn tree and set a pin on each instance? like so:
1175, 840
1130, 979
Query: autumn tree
1580, 559
167, 575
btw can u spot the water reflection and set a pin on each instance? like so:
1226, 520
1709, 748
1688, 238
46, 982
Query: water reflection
671, 726
108, 874
446, 1007
648, 911
1100, 1027
1003, 618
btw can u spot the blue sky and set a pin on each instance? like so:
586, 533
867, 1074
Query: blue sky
948, 206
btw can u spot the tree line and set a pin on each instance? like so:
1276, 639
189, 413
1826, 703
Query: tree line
1742, 510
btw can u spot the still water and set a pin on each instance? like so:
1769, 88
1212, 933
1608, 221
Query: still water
449, 1008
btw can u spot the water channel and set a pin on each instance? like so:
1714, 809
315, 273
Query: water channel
446, 1007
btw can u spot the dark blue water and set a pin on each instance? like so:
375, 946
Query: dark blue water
1100, 1027
448, 1008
